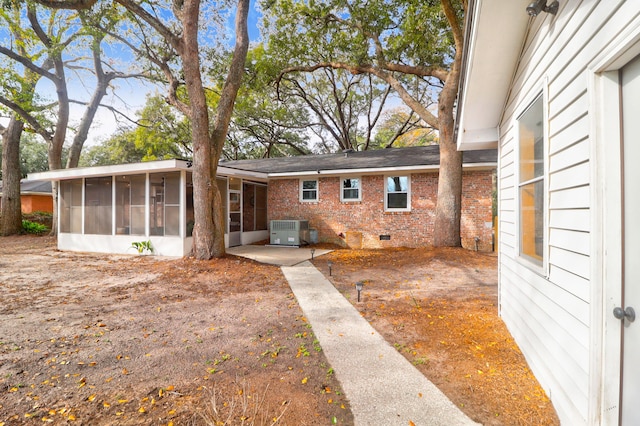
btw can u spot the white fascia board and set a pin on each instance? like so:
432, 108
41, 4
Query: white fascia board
377, 170
478, 139
365, 171
114, 170
479, 166
226, 171
33, 193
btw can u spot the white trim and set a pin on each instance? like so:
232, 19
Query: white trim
113, 205
542, 268
342, 188
380, 170
606, 288
301, 190
231, 172
119, 169
408, 208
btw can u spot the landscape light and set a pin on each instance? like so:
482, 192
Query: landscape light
312, 251
330, 264
359, 286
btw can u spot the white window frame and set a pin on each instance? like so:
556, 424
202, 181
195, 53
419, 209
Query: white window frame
342, 189
302, 191
386, 194
539, 265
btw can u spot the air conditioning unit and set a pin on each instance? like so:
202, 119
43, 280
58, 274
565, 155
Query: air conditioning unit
289, 232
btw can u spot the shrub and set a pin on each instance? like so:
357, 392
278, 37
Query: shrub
34, 227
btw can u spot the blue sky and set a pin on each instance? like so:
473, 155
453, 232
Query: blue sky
130, 95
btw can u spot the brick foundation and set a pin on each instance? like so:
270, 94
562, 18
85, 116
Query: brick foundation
367, 220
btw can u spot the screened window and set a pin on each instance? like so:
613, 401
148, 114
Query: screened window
130, 205
531, 182
164, 203
397, 193
190, 215
309, 190
71, 206
351, 189
254, 207
97, 206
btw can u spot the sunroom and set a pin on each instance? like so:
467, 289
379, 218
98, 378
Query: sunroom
109, 209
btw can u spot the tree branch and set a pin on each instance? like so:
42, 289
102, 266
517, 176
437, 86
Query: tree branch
27, 118
68, 4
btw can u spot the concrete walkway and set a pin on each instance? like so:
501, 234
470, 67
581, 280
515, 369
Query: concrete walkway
276, 255
382, 387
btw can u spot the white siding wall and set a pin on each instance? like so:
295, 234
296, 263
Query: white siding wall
555, 334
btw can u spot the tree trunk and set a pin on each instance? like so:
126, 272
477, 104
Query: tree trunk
223, 117
446, 231
11, 214
85, 124
203, 186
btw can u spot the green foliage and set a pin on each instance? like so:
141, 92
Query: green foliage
142, 246
33, 155
34, 227
163, 134
373, 37
118, 149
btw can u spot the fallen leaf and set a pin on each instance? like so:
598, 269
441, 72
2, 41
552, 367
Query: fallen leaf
304, 381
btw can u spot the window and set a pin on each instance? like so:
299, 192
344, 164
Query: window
397, 190
164, 204
71, 206
130, 205
350, 189
309, 190
97, 205
531, 182
254, 207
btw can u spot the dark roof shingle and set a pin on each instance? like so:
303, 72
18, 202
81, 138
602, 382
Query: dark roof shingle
381, 158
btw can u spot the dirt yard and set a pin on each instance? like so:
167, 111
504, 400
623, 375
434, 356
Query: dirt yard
439, 309
97, 339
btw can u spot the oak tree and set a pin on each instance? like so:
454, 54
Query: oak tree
389, 40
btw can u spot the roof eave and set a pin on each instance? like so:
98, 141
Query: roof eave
114, 170
495, 35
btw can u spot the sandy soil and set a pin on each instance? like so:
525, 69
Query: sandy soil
439, 309
96, 339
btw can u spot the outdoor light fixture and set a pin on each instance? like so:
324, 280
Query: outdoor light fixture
329, 264
538, 6
359, 286
312, 251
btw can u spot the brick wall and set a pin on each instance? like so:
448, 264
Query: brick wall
36, 203
349, 222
